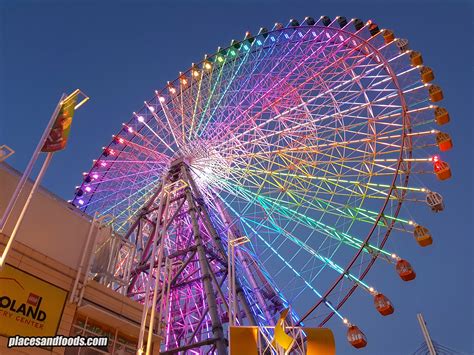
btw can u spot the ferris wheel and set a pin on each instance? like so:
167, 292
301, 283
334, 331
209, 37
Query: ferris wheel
310, 141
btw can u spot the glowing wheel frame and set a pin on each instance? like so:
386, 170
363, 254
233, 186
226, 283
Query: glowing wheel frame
307, 136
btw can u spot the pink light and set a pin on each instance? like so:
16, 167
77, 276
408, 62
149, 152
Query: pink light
162, 99
130, 129
151, 108
88, 189
95, 176
436, 158
121, 140
103, 163
141, 119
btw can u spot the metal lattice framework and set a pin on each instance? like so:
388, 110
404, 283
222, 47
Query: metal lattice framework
307, 139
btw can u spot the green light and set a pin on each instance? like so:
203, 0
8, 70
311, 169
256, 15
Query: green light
232, 52
220, 59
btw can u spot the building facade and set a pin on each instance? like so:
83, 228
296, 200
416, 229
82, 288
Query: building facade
46, 288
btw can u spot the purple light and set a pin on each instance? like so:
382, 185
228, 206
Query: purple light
81, 202
103, 163
95, 176
130, 129
88, 189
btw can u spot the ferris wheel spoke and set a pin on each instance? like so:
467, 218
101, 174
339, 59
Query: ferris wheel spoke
296, 126
335, 208
289, 213
285, 262
327, 67
350, 187
233, 79
326, 261
171, 125
313, 136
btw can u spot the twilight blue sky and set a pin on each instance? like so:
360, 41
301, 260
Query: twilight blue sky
120, 52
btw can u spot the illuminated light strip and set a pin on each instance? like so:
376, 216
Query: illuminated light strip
358, 132
401, 220
340, 180
148, 186
218, 80
312, 223
198, 96
140, 148
155, 134
352, 192
98, 182
280, 59
326, 261
315, 97
327, 303
293, 127
405, 159
242, 61
167, 115
181, 86
108, 194
317, 148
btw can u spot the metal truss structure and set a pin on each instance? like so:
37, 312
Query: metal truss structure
311, 141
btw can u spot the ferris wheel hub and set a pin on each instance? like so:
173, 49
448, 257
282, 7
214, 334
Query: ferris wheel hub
207, 165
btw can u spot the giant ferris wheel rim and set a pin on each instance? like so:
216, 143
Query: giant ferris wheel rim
212, 57
371, 263
404, 147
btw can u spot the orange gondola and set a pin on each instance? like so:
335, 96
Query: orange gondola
388, 36
422, 236
427, 74
356, 337
383, 304
416, 58
444, 141
442, 170
441, 116
405, 270
436, 94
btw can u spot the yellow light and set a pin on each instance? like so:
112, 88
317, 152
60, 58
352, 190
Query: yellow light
207, 66
195, 73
